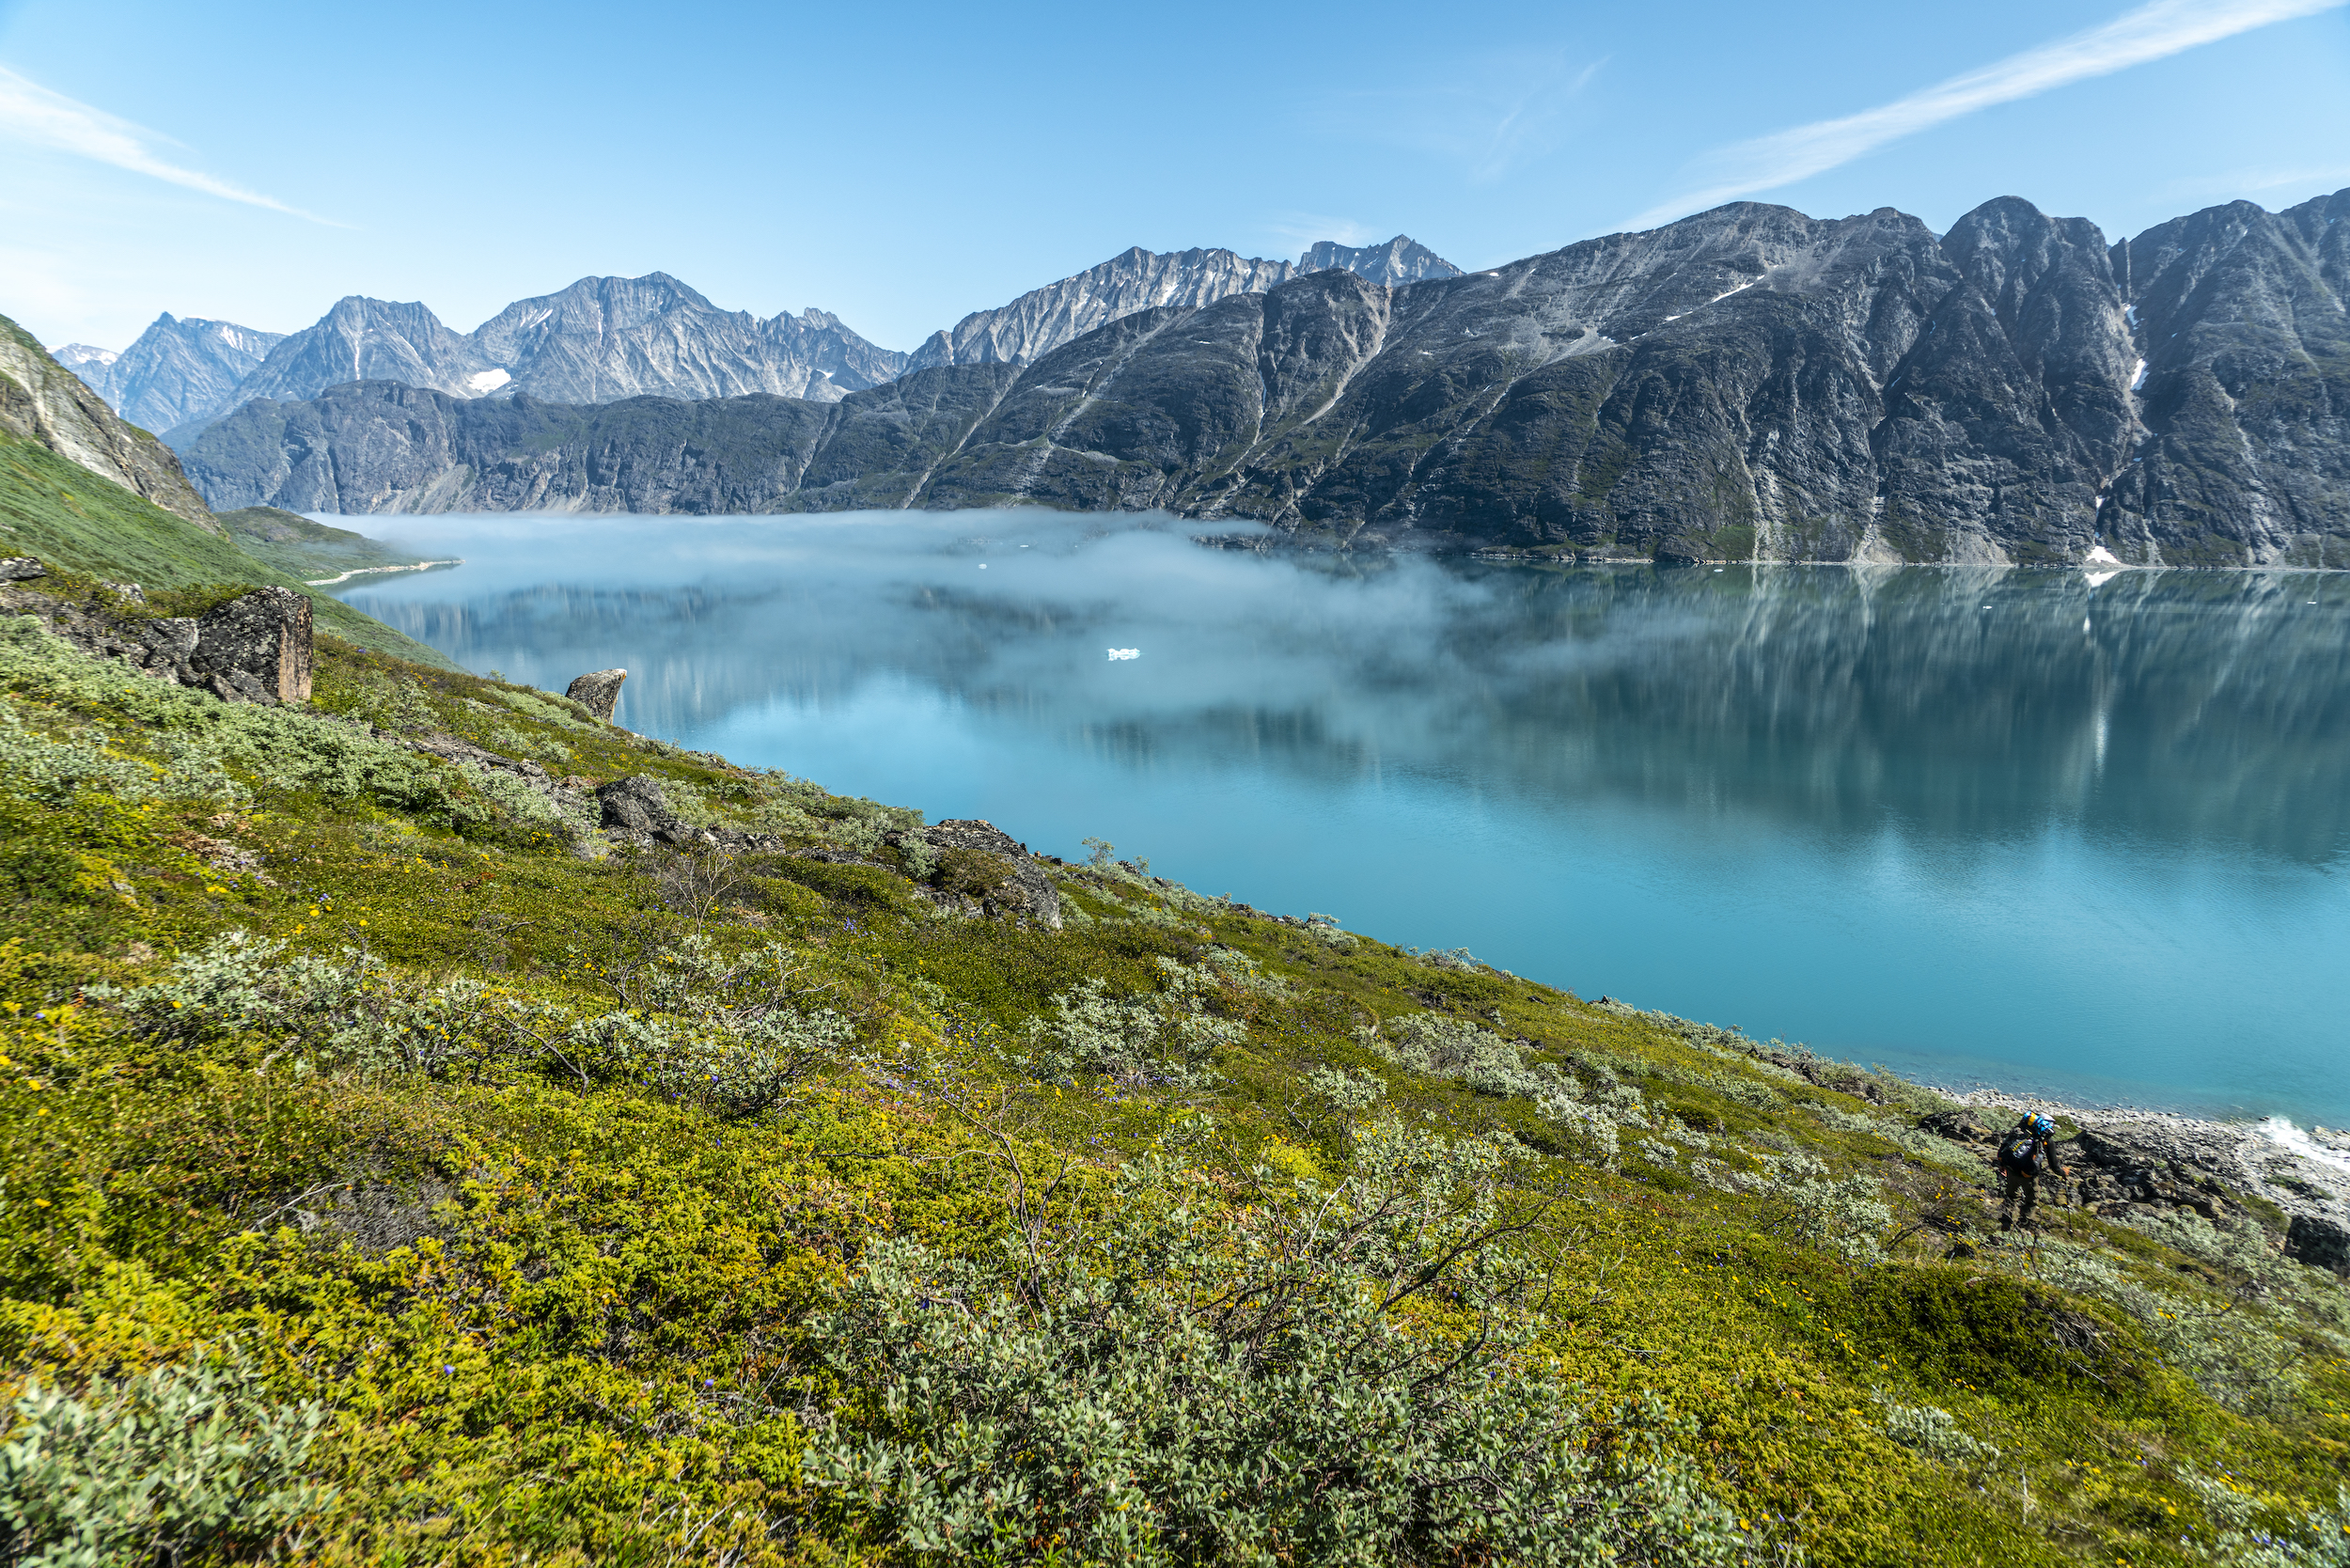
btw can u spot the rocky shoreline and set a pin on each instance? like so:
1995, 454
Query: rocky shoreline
2123, 1158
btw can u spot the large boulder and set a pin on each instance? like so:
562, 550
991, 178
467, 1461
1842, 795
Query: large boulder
599, 692
2321, 1240
1023, 890
635, 805
256, 647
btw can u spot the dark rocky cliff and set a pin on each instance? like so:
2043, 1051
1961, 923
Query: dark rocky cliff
1746, 384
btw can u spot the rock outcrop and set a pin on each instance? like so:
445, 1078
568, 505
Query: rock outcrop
258, 645
599, 692
252, 649
1014, 883
43, 402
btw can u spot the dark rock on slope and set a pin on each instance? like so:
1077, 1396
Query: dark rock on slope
1749, 384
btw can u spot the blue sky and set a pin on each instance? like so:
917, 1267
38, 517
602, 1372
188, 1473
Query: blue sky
902, 164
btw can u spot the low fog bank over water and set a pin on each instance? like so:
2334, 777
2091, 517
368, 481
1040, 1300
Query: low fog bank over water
2079, 836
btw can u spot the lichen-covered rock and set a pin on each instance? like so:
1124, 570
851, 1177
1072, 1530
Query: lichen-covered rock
264, 638
20, 569
1028, 890
599, 692
636, 805
2321, 1240
171, 644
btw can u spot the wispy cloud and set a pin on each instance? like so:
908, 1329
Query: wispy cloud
31, 113
1489, 115
2150, 32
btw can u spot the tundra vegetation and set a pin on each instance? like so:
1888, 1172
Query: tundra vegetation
393, 1171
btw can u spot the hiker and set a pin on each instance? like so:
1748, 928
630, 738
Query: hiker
2023, 1153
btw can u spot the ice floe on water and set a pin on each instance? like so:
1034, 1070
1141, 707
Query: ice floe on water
1117, 653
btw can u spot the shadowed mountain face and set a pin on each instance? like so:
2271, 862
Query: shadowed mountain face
1749, 384
43, 403
2239, 318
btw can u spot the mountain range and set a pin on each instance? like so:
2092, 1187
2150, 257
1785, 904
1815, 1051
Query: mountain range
1746, 384
605, 338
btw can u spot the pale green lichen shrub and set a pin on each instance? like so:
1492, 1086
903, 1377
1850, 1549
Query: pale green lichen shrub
2257, 1532
1844, 1216
208, 748
1932, 1430
1175, 1383
2230, 1348
1165, 1037
1910, 1140
1349, 1091
734, 1034
175, 1464
1481, 1060
52, 768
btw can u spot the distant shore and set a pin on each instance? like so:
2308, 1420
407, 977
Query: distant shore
364, 570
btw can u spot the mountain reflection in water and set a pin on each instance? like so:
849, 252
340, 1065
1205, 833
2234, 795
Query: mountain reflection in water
1973, 822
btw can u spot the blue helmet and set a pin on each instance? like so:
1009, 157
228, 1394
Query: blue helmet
2044, 1124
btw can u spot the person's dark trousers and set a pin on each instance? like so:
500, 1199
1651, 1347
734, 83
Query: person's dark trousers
2014, 1181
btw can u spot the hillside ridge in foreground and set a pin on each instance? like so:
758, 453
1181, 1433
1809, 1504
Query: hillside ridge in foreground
457, 1128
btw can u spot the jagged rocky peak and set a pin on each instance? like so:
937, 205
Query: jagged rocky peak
367, 339
592, 304
179, 369
1043, 318
605, 338
1401, 260
82, 358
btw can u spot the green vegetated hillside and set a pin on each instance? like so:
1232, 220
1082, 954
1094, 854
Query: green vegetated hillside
290, 543
393, 1171
70, 518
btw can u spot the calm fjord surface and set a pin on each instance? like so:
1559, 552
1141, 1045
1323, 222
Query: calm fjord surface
2082, 835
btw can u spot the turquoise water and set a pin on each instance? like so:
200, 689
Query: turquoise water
2019, 828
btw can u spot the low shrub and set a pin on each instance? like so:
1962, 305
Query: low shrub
174, 1465
1338, 1378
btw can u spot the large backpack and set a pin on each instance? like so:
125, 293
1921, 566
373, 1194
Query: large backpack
2019, 1150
